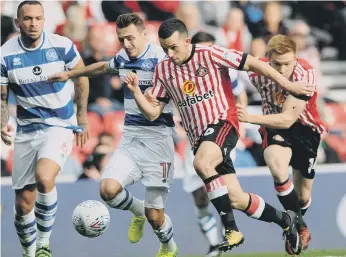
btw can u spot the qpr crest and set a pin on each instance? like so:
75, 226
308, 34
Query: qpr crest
201, 71
52, 55
147, 65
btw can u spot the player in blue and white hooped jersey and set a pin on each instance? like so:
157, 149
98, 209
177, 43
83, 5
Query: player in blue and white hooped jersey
146, 150
46, 122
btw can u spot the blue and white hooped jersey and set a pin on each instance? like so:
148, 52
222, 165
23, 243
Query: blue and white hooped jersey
144, 65
25, 70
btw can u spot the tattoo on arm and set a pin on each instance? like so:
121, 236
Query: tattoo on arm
4, 107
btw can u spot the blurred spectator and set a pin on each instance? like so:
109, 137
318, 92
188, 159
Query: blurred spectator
112, 9
214, 12
7, 25
300, 33
190, 15
75, 27
102, 88
258, 47
271, 24
158, 10
54, 14
107, 139
96, 162
236, 32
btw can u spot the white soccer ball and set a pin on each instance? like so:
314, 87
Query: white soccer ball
91, 218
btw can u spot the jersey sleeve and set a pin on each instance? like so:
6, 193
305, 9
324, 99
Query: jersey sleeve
159, 91
4, 75
72, 56
113, 64
228, 58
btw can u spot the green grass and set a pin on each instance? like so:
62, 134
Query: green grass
311, 253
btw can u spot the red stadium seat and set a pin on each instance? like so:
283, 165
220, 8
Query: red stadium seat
114, 124
95, 124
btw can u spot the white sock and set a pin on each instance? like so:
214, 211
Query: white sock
45, 210
26, 231
165, 235
208, 225
125, 201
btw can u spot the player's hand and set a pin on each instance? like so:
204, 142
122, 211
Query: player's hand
131, 81
59, 77
242, 112
6, 134
151, 99
83, 136
301, 88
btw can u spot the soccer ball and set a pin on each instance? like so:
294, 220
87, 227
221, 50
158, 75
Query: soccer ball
91, 218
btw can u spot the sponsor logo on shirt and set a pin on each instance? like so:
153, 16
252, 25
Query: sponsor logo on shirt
189, 87
195, 99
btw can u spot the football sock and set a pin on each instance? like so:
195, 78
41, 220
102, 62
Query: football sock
125, 201
45, 209
218, 195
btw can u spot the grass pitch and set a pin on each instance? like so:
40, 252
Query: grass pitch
311, 253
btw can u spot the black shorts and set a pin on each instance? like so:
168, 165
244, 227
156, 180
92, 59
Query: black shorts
303, 141
226, 137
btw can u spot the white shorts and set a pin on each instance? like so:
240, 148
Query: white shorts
54, 143
148, 160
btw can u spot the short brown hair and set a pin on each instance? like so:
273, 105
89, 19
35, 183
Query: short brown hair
281, 44
127, 19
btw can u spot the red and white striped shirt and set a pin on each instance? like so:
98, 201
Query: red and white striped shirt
273, 96
200, 88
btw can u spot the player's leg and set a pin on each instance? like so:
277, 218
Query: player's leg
207, 157
277, 156
155, 200
24, 184
193, 184
252, 204
303, 187
54, 146
120, 172
156, 160
206, 220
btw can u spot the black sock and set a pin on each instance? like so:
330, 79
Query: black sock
288, 197
221, 201
259, 209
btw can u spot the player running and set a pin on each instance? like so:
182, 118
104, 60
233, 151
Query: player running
291, 129
46, 122
192, 183
146, 150
196, 78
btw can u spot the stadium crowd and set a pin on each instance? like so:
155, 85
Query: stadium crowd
241, 25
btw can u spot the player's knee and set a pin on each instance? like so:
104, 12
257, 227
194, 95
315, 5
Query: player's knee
156, 217
201, 166
24, 202
278, 169
45, 182
109, 189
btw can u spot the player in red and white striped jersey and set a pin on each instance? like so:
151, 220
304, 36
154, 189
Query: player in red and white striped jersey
291, 128
196, 79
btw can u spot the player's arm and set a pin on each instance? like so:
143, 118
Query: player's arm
6, 129
262, 68
292, 108
81, 86
149, 110
242, 61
